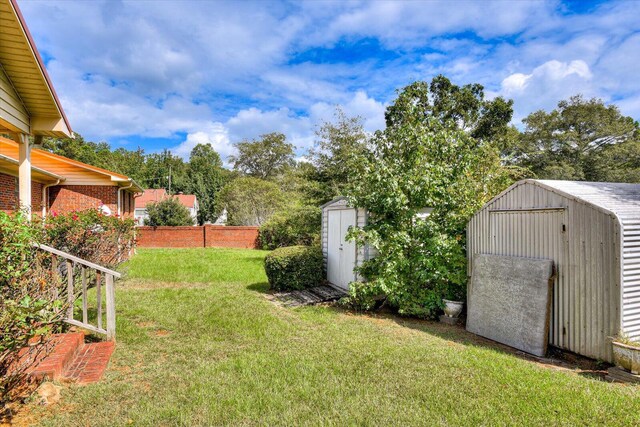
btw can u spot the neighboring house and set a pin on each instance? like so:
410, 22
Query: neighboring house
60, 184
155, 195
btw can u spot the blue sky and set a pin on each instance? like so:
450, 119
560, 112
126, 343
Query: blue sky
171, 74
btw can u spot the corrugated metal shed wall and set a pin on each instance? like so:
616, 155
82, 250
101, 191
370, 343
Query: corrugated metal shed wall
586, 300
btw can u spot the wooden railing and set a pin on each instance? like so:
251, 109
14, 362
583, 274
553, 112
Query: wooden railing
89, 275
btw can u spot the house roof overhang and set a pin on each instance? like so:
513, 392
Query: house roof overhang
22, 64
10, 166
63, 167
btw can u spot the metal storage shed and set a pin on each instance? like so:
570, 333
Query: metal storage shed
592, 233
341, 256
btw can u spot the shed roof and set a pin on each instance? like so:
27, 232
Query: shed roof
621, 199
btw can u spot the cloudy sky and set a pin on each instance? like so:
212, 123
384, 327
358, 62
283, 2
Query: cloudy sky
171, 74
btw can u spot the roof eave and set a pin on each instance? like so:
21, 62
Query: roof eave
59, 130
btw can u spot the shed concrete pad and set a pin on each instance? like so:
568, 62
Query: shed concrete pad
509, 301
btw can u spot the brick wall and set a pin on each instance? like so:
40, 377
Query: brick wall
9, 194
68, 198
198, 237
230, 237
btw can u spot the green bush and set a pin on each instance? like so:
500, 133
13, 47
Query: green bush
169, 212
106, 240
299, 226
29, 305
294, 267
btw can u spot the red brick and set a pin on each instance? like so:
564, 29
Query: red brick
198, 237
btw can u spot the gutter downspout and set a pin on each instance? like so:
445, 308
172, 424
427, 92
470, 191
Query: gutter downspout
45, 199
120, 197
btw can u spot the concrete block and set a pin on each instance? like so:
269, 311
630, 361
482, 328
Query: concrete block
509, 301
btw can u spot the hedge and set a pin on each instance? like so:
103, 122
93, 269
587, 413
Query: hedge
294, 267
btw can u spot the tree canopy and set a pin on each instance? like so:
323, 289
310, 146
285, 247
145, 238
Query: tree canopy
251, 201
205, 178
338, 144
263, 158
582, 139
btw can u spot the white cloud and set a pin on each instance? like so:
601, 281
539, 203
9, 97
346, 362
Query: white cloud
546, 85
224, 71
300, 130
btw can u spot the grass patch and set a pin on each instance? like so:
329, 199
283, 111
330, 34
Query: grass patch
211, 350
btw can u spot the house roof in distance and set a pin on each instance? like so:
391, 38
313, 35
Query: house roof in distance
157, 194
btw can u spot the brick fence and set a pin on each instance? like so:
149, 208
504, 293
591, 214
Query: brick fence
205, 236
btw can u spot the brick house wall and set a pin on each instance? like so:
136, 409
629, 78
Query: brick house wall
68, 198
65, 198
9, 194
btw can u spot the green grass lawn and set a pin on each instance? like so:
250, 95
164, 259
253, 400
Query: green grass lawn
199, 344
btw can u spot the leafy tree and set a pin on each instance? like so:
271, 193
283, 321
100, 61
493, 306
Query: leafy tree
168, 211
264, 158
251, 201
292, 227
421, 160
583, 139
205, 179
160, 166
336, 147
463, 108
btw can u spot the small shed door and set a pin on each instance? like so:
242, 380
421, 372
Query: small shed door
537, 233
341, 254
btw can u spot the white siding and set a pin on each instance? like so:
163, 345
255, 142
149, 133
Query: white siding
11, 108
362, 252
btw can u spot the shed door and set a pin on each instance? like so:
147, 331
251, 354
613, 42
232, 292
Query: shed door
341, 254
538, 233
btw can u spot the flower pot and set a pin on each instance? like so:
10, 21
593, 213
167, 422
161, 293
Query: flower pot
452, 308
626, 357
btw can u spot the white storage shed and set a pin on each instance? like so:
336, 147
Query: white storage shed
592, 233
340, 255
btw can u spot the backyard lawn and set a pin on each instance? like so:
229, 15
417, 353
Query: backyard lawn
199, 344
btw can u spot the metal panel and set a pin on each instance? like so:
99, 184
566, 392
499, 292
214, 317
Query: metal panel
586, 300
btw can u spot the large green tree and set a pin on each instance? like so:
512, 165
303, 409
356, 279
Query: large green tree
165, 170
456, 107
582, 139
205, 179
264, 158
251, 201
423, 159
338, 144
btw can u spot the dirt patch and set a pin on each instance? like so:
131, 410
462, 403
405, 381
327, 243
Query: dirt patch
161, 333
146, 324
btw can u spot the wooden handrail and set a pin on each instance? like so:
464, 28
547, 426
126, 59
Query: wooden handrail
73, 262
77, 260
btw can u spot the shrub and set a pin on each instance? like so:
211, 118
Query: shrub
91, 235
294, 267
299, 226
168, 212
29, 305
